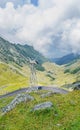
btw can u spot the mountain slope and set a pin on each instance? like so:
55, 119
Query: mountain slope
66, 59
14, 67
73, 68
12, 78
15, 72
16, 53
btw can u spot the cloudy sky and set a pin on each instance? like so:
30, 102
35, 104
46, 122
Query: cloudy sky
51, 26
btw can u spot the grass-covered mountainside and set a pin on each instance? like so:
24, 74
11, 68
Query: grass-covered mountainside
16, 53
15, 74
73, 68
15, 71
66, 59
64, 114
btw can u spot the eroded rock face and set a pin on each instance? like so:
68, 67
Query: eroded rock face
42, 106
18, 99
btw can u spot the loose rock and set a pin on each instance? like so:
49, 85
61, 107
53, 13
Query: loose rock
42, 106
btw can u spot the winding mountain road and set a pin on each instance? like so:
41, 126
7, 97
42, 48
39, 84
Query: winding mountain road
30, 89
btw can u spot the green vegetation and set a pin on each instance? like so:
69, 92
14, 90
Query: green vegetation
71, 63
67, 71
65, 114
15, 72
51, 77
18, 54
13, 76
75, 70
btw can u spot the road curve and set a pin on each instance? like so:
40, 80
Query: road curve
30, 89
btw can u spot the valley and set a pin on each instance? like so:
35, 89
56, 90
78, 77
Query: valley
39, 65
54, 86
13, 76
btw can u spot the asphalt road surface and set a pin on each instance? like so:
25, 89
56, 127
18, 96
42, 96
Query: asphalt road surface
30, 89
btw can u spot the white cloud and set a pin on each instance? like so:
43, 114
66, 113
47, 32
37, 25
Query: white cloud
71, 34
15, 2
51, 24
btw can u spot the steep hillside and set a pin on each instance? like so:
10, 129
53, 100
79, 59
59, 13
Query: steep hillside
13, 77
58, 74
64, 115
66, 59
15, 72
16, 53
73, 68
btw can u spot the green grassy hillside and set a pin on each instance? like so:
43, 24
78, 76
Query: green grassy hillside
19, 54
13, 76
15, 72
64, 115
58, 74
73, 68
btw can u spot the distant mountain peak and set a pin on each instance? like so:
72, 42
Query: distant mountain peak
66, 59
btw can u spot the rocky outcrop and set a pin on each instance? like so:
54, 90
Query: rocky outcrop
18, 99
76, 86
42, 106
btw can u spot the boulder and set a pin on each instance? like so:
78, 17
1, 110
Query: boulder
76, 85
42, 106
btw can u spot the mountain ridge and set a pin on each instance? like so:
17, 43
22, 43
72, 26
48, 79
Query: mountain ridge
15, 71
16, 53
66, 59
